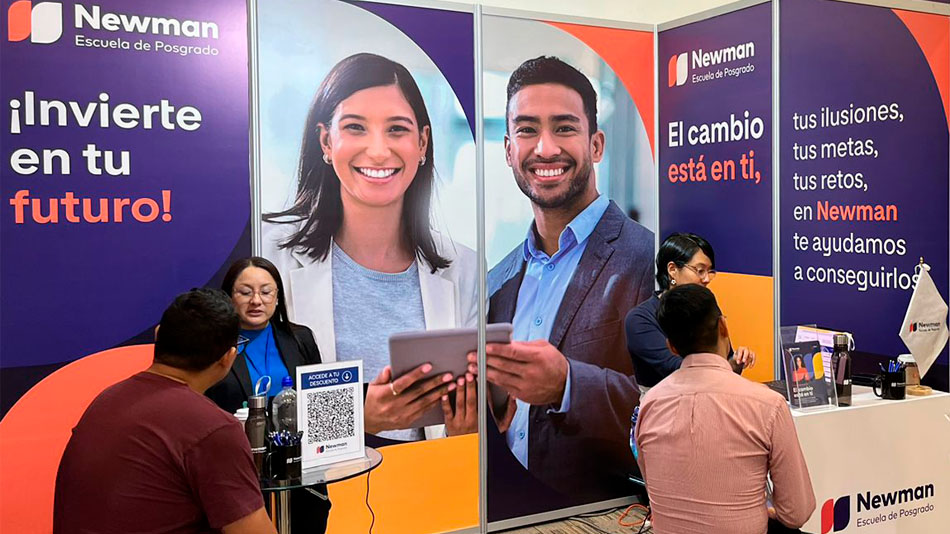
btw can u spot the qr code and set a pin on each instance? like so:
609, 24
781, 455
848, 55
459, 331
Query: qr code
330, 415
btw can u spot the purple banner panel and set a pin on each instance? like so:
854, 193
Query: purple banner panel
716, 136
124, 165
864, 160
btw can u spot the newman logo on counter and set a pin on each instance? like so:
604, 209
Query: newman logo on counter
836, 513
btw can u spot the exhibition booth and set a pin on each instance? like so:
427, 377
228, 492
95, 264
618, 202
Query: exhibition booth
146, 147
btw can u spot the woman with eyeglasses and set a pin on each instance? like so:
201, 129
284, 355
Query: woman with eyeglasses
269, 344
682, 259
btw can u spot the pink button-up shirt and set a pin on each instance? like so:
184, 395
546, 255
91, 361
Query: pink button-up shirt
707, 438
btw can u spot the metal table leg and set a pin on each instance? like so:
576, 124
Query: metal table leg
282, 511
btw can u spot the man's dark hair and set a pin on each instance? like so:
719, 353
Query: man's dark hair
689, 316
549, 69
679, 248
196, 330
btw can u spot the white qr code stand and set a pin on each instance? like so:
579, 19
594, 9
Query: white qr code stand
330, 401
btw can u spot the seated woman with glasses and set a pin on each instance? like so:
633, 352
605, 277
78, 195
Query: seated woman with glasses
269, 345
682, 259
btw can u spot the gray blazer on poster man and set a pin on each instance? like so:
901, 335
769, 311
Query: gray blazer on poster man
586, 452
449, 296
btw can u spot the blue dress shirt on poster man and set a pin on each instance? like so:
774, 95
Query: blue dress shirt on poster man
566, 289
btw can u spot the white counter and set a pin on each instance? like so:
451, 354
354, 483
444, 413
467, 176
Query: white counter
869, 455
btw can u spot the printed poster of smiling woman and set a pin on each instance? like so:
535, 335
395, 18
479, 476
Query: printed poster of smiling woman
568, 121
367, 195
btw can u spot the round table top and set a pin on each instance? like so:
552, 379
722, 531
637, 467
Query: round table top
327, 474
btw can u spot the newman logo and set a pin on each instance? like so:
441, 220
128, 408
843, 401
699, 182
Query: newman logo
94, 18
679, 69
924, 327
331, 447
679, 65
42, 23
728, 54
836, 514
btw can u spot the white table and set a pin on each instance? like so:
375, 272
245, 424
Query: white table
870, 453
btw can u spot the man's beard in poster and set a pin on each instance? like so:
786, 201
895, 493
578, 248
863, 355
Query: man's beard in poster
576, 187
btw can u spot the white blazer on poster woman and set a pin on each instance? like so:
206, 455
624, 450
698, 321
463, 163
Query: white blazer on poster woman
449, 296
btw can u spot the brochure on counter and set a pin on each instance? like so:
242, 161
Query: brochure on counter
808, 385
330, 408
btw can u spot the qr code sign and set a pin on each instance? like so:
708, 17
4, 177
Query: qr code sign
330, 415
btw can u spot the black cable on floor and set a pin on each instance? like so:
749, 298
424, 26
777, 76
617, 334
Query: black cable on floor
598, 514
370, 507
644, 524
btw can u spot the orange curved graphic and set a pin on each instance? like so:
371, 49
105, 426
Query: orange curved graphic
630, 54
34, 433
19, 20
932, 33
423, 486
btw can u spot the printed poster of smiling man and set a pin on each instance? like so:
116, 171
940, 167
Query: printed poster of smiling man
568, 112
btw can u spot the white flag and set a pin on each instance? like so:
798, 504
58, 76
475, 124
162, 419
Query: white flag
925, 324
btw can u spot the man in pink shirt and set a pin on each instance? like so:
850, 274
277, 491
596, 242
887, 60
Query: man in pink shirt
708, 438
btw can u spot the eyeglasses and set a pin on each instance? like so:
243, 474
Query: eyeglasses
702, 272
268, 294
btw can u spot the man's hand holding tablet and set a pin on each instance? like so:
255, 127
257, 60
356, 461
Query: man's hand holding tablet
461, 416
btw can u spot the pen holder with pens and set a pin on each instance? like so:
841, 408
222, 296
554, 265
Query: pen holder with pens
283, 460
890, 385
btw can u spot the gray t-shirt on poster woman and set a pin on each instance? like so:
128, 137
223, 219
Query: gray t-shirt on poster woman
369, 306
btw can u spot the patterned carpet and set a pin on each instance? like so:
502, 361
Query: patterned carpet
603, 523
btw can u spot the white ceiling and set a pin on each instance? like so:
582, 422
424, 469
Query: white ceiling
646, 11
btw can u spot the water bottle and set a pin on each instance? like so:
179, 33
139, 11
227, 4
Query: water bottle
256, 428
285, 407
841, 365
633, 431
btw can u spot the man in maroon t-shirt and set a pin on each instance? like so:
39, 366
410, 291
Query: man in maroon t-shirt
152, 453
